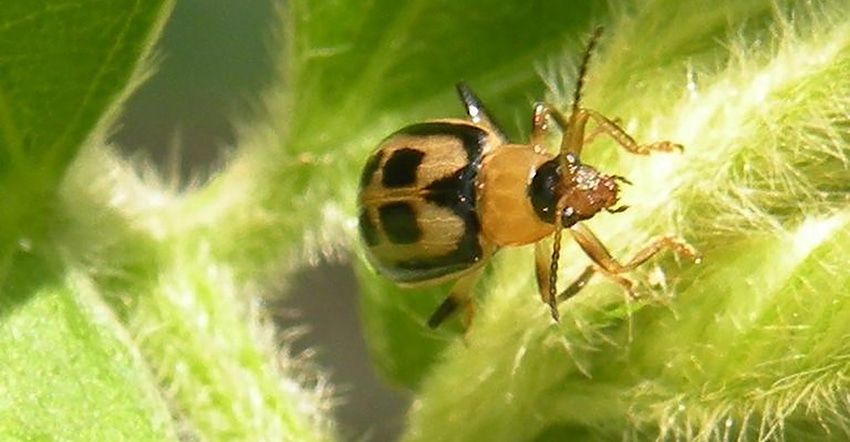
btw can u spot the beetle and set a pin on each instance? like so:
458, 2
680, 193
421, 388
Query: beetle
438, 199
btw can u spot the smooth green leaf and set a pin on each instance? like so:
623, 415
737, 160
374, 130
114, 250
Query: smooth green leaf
63, 64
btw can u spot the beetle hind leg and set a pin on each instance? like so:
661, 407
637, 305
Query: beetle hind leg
477, 112
446, 309
459, 297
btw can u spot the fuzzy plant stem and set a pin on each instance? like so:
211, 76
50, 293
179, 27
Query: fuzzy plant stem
749, 345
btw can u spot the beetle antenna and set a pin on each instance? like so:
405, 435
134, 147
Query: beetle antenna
553, 263
582, 70
553, 271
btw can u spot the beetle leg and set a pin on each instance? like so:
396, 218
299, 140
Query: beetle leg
541, 269
601, 257
541, 255
477, 112
575, 136
541, 114
599, 130
539, 124
578, 284
613, 129
460, 296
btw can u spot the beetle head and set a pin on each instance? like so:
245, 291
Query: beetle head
578, 190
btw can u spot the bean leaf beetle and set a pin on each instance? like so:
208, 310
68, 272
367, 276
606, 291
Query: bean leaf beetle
438, 199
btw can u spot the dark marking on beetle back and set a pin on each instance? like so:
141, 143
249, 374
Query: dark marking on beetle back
399, 223
465, 255
368, 229
400, 168
370, 168
455, 192
472, 138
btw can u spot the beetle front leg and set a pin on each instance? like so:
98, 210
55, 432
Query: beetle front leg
540, 122
610, 267
546, 271
541, 266
613, 129
591, 135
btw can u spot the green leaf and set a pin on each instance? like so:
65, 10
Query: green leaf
67, 375
68, 369
62, 65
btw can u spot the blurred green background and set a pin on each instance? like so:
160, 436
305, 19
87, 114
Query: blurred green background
215, 59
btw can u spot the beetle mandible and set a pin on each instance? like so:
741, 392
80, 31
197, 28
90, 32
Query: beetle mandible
438, 198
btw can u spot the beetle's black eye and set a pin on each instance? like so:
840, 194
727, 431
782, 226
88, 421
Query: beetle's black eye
542, 190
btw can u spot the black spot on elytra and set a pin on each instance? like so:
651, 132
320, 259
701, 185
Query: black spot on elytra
457, 193
453, 191
472, 138
370, 168
400, 168
368, 229
467, 252
399, 223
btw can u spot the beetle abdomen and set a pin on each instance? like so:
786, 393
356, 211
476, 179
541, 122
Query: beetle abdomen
417, 199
